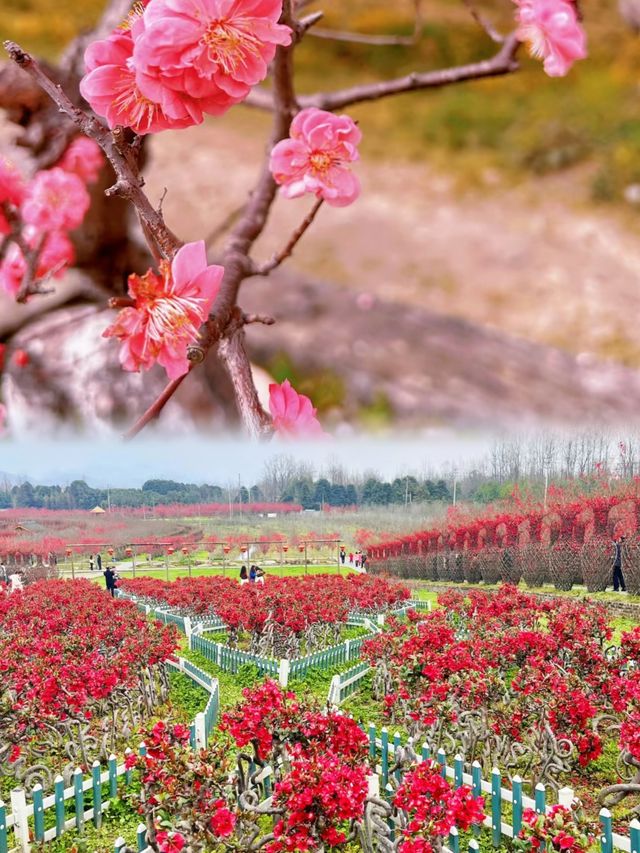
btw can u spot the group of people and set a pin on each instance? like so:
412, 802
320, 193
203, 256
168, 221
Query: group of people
358, 559
253, 575
95, 563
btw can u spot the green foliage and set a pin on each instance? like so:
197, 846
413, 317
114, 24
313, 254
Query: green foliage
187, 697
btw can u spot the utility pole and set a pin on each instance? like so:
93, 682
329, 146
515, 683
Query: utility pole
546, 487
455, 487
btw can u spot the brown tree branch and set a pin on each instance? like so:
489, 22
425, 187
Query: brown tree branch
504, 62
129, 182
483, 22
295, 238
233, 355
156, 407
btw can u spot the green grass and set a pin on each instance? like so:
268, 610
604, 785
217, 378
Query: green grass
207, 571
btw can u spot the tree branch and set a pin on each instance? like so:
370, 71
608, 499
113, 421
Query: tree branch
287, 251
504, 62
156, 407
128, 180
233, 354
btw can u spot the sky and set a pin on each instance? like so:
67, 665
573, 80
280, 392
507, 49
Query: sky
118, 464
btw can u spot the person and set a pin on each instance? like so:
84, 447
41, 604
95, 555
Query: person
343, 554
110, 580
91, 563
618, 578
364, 562
252, 574
244, 578
16, 581
99, 562
350, 559
259, 575
3, 573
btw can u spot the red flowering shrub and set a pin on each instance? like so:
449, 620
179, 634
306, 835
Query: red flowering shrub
561, 829
433, 808
496, 671
67, 650
314, 607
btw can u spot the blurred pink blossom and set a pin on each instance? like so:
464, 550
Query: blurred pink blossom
553, 33
317, 156
12, 189
83, 158
293, 414
55, 200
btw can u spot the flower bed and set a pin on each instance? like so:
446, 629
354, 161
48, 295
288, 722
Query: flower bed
512, 681
280, 618
79, 672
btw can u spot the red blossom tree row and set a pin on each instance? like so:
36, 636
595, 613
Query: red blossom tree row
571, 523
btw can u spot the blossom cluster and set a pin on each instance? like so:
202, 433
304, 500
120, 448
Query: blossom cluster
433, 808
173, 62
37, 215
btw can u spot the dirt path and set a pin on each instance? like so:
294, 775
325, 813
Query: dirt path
534, 261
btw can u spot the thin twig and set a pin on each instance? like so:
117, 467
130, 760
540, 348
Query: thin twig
287, 251
362, 38
504, 62
483, 22
128, 180
155, 408
265, 319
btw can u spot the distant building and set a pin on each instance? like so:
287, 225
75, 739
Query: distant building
97, 510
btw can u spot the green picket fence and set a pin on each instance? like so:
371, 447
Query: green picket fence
326, 658
230, 660
346, 683
498, 799
34, 815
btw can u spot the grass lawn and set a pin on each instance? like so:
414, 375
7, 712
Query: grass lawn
158, 570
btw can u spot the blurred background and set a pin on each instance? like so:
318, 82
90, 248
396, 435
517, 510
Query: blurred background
486, 276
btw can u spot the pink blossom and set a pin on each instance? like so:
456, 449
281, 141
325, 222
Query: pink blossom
84, 158
56, 255
170, 842
210, 50
12, 190
316, 157
293, 414
12, 270
223, 821
553, 32
169, 309
111, 88
55, 201
3, 421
